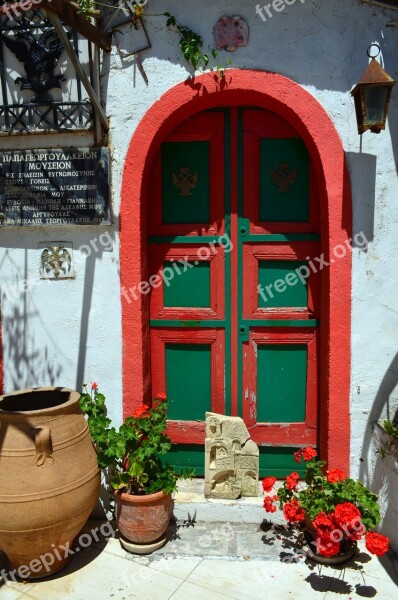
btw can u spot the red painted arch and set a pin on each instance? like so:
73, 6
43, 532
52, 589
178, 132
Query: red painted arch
285, 97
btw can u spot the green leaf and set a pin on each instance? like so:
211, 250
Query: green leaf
120, 481
136, 445
136, 469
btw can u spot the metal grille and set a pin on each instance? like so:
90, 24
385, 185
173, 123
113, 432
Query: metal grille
47, 94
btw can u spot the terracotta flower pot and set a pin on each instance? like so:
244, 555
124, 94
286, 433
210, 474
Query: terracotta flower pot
143, 519
309, 526
348, 547
49, 477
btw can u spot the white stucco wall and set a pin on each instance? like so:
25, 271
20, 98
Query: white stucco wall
64, 332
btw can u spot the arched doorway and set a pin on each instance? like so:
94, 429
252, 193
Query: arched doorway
251, 136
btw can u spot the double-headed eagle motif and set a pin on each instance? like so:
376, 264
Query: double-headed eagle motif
283, 177
56, 260
39, 57
185, 181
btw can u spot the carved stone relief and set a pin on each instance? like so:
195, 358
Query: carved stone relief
231, 458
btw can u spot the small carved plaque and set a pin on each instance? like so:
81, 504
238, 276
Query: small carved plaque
230, 33
56, 260
231, 458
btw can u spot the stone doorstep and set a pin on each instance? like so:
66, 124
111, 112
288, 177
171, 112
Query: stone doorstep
190, 505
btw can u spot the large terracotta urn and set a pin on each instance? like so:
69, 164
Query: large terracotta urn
49, 477
143, 520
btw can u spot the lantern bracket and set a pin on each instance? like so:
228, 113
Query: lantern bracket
369, 51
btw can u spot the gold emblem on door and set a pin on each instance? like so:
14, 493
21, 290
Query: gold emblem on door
185, 181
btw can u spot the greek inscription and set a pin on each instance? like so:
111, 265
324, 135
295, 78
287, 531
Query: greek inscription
36, 187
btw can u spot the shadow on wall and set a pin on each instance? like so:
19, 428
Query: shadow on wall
84, 319
381, 408
376, 472
31, 364
362, 168
45, 333
384, 483
48, 361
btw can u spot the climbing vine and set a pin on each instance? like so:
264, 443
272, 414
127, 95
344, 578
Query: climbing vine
86, 8
191, 43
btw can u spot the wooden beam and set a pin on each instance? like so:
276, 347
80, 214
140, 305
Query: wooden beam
79, 69
68, 15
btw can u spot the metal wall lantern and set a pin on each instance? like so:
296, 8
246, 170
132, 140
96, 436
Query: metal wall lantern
372, 95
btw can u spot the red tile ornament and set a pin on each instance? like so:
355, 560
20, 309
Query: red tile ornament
230, 33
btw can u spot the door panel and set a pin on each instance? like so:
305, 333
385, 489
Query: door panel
192, 285
280, 385
274, 285
188, 364
279, 290
284, 184
196, 174
187, 183
280, 190
242, 317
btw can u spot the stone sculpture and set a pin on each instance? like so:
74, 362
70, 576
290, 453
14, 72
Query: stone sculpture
231, 458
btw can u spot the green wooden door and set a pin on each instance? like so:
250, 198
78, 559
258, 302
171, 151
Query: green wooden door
232, 223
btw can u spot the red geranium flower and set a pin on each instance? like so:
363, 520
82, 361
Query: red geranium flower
324, 525
376, 543
293, 512
94, 386
305, 453
309, 453
327, 548
268, 483
292, 480
355, 529
141, 411
345, 514
161, 396
334, 475
298, 456
269, 503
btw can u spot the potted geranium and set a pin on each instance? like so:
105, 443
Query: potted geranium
141, 482
332, 510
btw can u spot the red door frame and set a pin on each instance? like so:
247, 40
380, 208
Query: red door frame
288, 99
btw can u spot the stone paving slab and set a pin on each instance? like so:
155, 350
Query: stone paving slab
190, 502
212, 561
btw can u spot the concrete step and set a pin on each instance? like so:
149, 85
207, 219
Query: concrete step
190, 505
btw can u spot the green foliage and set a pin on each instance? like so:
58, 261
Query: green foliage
133, 452
391, 447
191, 45
319, 495
86, 7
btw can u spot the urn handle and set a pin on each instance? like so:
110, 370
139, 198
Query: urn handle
43, 444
